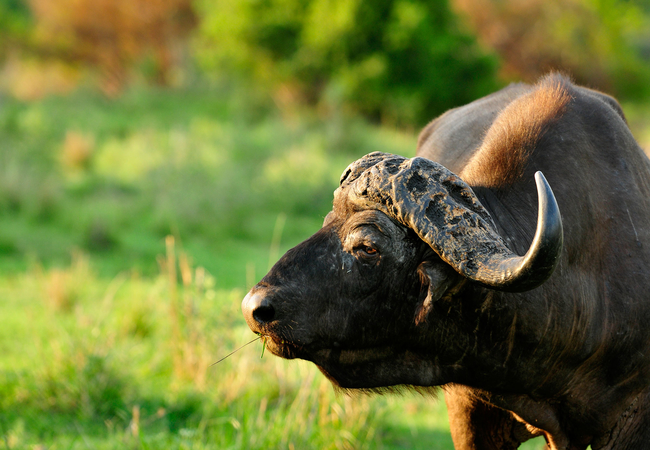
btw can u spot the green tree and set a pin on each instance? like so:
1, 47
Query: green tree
400, 61
15, 23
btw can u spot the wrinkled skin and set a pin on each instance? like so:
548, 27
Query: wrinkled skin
373, 306
373, 264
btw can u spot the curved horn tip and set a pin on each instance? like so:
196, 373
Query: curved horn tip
539, 262
549, 221
523, 273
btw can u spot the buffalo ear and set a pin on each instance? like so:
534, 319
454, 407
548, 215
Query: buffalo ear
436, 279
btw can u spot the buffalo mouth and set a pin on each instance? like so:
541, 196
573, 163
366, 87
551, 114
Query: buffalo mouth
282, 348
287, 349
326, 355
361, 368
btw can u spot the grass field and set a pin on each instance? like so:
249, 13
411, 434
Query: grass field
129, 233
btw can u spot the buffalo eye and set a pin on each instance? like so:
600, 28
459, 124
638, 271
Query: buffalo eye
367, 251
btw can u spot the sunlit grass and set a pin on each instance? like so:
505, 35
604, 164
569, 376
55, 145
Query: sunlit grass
89, 361
114, 178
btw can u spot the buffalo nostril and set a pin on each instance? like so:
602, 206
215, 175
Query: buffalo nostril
258, 308
264, 312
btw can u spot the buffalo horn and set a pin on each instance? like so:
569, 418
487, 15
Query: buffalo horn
445, 213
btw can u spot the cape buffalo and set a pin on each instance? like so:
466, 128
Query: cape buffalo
415, 278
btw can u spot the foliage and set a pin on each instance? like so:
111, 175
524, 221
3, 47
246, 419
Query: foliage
114, 35
398, 61
601, 43
402, 61
15, 22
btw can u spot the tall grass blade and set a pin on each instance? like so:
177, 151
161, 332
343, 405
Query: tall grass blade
235, 351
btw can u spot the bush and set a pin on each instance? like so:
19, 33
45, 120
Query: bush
14, 23
114, 36
398, 61
604, 44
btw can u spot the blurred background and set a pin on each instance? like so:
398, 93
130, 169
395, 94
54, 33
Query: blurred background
157, 157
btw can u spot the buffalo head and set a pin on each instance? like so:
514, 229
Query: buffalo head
368, 298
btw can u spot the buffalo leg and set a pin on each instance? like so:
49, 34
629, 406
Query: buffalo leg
477, 425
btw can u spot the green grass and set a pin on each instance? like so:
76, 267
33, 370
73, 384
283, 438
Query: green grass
114, 178
91, 362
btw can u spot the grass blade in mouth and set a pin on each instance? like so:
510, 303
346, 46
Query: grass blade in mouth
236, 350
263, 346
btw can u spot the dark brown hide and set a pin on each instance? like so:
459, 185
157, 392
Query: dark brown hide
373, 305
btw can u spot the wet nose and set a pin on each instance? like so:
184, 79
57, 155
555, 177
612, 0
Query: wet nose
258, 306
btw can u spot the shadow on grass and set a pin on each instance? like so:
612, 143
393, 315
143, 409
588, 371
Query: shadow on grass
421, 438
34, 427
400, 437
